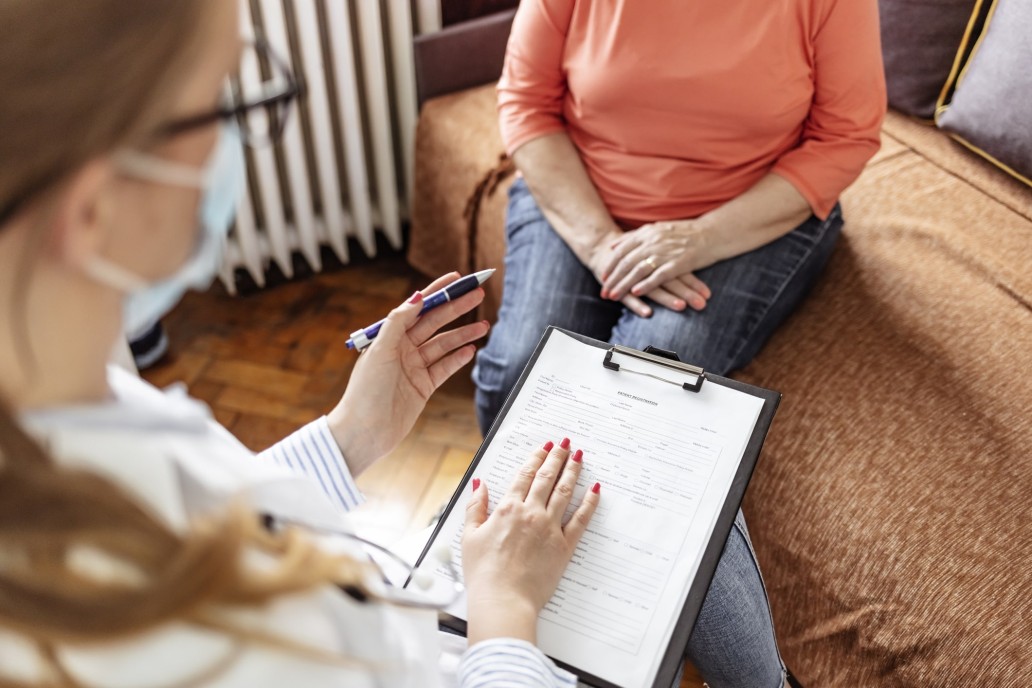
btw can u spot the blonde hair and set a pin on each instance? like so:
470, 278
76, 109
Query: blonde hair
48, 514
79, 80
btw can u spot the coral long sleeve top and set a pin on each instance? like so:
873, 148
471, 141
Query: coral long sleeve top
678, 106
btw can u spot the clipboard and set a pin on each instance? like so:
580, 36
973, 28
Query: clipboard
663, 367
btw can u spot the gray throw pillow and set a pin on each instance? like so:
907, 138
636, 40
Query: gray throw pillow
991, 105
920, 39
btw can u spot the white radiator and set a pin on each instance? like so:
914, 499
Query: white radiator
343, 168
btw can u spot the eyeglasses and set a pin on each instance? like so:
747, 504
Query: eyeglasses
403, 584
259, 111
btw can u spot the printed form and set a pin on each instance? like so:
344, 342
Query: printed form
665, 457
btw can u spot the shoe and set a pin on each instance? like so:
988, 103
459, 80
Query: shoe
150, 347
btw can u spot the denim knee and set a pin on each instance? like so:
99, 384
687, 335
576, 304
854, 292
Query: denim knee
494, 376
733, 642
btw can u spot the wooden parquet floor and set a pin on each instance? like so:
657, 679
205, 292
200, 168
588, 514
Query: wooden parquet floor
268, 362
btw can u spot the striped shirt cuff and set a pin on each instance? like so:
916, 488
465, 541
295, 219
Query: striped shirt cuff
510, 663
313, 452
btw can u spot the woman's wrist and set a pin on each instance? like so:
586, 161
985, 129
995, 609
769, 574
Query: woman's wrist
767, 211
702, 241
593, 251
350, 439
501, 616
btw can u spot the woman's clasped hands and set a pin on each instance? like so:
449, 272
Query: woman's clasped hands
657, 261
513, 559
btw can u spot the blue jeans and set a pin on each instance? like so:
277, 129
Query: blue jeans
545, 284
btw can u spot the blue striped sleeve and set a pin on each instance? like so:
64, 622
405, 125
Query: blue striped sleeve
510, 663
313, 452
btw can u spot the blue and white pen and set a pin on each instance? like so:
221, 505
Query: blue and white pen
360, 339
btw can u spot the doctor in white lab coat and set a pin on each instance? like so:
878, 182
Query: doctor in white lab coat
120, 168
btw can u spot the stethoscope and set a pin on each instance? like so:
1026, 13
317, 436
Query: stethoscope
416, 576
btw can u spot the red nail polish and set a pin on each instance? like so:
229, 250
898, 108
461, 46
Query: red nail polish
476, 484
565, 444
416, 298
548, 446
577, 456
597, 488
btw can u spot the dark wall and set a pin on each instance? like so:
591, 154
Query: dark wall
455, 11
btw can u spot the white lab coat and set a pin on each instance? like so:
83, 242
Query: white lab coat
165, 450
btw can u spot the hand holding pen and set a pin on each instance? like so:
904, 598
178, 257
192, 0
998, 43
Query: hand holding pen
360, 339
414, 354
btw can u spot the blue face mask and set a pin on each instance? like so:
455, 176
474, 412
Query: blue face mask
222, 185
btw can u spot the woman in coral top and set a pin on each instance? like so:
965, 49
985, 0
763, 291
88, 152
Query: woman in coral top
680, 164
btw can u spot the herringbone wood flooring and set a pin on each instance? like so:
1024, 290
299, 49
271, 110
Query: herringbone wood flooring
275, 359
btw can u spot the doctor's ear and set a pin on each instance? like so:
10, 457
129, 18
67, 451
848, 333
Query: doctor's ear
78, 215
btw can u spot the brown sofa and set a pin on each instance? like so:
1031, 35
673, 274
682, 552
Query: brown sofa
891, 507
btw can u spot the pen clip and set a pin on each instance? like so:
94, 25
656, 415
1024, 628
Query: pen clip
664, 360
360, 341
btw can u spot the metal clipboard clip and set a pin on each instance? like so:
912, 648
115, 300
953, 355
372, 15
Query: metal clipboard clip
658, 357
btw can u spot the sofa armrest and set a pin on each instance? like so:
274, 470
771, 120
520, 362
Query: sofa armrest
461, 56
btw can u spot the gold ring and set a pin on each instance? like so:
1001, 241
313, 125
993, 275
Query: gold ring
651, 262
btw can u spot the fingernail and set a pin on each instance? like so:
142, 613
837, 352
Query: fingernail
577, 456
565, 444
605, 294
597, 488
679, 304
636, 291
548, 446
476, 484
416, 298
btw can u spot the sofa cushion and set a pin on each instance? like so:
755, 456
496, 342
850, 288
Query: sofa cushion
919, 42
887, 509
990, 109
457, 144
